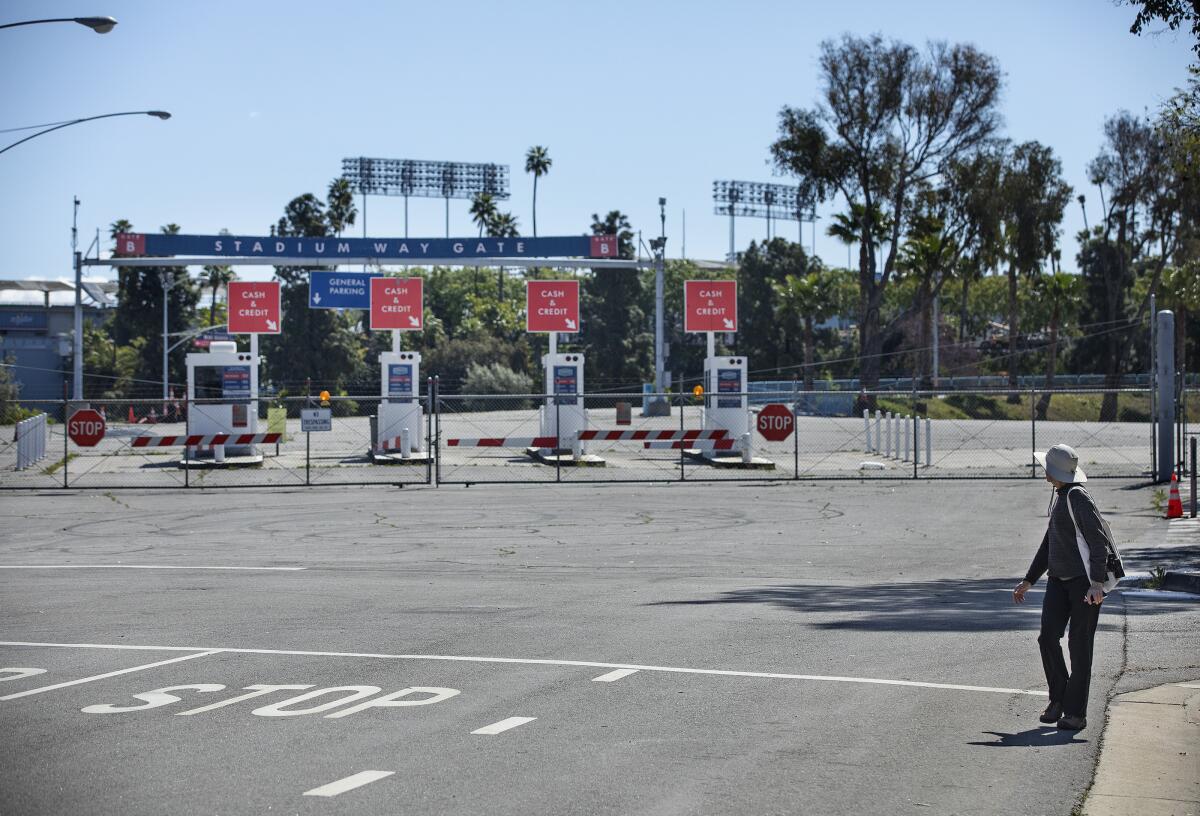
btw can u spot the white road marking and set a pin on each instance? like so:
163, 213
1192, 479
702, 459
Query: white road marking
143, 567
349, 783
503, 725
1189, 685
613, 676
544, 662
106, 675
20, 673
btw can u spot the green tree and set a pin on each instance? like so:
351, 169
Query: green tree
1172, 12
1060, 292
315, 343
891, 119
483, 211
806, 298
762, 274
537, 161
341, 211
614, 330
215, 277
1034, 198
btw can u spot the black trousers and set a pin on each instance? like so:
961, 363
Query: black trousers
1063, 604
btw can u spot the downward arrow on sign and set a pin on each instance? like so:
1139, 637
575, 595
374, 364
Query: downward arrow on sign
316, 297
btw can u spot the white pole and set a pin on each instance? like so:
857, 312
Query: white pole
878, 430
395, 341
904, 429
867, 428
711, 343
928, 442
887, 436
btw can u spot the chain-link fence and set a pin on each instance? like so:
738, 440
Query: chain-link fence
475, 439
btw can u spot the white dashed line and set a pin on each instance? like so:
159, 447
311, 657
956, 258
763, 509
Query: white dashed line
522, 661
349, 783
106, 675
503, 725
613, 676
144, 567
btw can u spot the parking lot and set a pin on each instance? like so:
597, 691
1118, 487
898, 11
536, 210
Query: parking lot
765, 648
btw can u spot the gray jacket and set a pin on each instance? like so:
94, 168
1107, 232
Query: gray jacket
1063, 554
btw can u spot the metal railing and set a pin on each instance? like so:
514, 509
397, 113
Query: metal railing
535, 438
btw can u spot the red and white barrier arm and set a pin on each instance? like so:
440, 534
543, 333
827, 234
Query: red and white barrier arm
203, 439
509, 442
650, 436
688, 444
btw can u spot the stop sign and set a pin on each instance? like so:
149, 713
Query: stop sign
776, 422
85, 427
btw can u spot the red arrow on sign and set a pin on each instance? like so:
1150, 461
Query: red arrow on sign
775, 422
86, 427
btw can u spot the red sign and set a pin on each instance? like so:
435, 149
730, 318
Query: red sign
604, 246
776, 422
551, 306
86, 427
397, 304
710, 306
254, 307
130, 243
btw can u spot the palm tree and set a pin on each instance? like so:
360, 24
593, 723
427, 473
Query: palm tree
483, 210
215, 277
805, 297
340, 211
502, 225
847, 226
537, 161
121, 225
1060, 291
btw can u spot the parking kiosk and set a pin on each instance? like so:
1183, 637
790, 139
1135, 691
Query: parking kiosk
401, 415
563, 413
222, 391
726, 405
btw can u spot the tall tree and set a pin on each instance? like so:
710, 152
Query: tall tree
502, 225
1172, 12
762, 275
807, 298
537, 161
1034, 197
1060, 292
215, 277
341, 211
615, 331
483, 210
891, 118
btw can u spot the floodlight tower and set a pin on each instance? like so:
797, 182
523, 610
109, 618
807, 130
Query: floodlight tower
759, 200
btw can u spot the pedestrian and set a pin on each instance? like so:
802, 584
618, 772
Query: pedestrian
1074, 553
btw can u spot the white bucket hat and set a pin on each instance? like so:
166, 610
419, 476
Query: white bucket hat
1062, 463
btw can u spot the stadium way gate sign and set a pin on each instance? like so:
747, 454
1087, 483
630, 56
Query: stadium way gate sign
330, 246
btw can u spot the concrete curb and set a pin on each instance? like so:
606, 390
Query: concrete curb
1150, 756
1182, 582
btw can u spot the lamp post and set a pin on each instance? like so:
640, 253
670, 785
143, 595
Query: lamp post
659, 406
101, 25
156, 113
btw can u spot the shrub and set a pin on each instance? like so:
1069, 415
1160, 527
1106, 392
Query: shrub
495, 379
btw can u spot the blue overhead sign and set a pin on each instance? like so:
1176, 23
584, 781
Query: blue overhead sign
340, 290
332, 246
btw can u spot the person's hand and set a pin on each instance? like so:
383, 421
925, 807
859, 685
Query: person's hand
1020, 590
1095, 594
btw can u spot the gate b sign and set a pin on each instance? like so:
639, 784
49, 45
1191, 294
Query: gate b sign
710, 306
254, 307
397, 304
552, 306
86, 427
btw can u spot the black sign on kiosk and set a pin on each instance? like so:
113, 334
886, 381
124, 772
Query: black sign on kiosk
566, 381
729, 381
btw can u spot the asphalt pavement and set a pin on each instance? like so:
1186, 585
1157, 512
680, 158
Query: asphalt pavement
592, 649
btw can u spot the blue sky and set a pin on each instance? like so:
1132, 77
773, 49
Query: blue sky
635, 100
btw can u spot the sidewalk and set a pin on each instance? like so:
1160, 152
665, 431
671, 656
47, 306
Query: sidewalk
1150, 757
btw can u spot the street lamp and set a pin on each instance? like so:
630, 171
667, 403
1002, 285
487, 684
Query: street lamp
101, 25
659, 406
156, 113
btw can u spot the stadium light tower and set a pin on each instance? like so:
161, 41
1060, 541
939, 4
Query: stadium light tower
759, 200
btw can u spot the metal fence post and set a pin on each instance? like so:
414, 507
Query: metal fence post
796, 439
437, 430
429, 430
682, 457
1193, 477
1033, 433
66, 422
557, 441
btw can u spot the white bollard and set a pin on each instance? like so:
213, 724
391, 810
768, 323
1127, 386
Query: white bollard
887, 435
747, 448
576, 447
928, 442
907, 439
867, 428
878, 420
218, 453
405, 444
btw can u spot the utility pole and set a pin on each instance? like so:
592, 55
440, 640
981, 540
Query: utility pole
77, 363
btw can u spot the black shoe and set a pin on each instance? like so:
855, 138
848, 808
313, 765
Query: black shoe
1070, 722
1052, 713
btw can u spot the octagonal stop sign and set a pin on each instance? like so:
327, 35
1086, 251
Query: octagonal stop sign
86, 427
776, 422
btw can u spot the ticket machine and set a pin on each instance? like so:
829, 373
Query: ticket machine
726, 405
563, 414
222, 390
400, 410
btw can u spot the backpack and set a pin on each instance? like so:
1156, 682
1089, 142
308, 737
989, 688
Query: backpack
1113, 568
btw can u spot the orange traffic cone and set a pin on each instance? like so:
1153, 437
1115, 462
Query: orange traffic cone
1174, 505
131, 419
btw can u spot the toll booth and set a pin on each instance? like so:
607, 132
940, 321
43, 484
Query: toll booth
726, 406
222, 390
400, 411
563, 413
